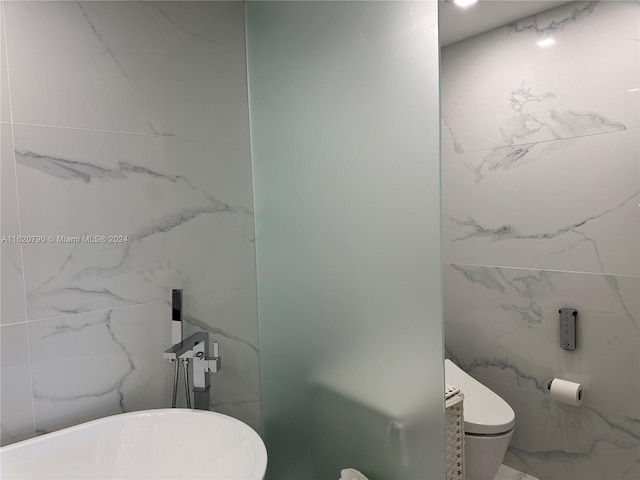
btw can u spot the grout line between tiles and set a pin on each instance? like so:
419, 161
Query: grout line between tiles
11, 324
519, 145
95, 311
543, 270
119, 132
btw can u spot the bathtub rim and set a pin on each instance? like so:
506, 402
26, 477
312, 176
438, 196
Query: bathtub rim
251, 434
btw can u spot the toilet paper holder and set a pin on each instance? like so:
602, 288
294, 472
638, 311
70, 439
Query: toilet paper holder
571, 393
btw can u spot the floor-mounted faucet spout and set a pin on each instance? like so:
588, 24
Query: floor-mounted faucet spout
196, 348
185, 348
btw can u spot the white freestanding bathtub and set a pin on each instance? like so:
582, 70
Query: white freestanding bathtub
152, 444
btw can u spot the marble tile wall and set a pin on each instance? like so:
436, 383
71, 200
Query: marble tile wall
541, 186
508, 473
127, 119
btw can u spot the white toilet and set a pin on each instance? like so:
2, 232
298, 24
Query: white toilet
488, 424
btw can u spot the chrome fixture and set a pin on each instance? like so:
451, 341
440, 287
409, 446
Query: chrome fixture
196, 349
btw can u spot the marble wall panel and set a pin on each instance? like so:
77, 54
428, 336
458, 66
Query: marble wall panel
16, 402
541, 184
130, 119
502, 324
182, 206
101, 363
165, 68
581, 85
229, 317
563, 205
12, 297
558, 442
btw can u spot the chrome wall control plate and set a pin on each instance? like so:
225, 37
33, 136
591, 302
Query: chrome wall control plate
568, 319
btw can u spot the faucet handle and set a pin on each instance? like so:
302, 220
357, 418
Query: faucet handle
213, 364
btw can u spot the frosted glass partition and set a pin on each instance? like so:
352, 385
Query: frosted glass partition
345, 147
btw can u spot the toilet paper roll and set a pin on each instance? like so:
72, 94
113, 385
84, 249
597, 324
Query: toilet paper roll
567, 392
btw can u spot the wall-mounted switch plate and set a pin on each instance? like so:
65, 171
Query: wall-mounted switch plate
568, 319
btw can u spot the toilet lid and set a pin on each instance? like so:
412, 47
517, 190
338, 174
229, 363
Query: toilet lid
485, 413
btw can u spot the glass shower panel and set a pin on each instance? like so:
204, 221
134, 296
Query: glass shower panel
345, 146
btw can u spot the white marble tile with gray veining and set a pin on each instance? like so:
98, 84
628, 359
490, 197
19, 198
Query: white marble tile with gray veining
558, 442
182, 206
503, 324
563, 205
508, 473
231, 320
12, 295
16, 414
525, 93
145, 67
96, 364
554, 21
176, 193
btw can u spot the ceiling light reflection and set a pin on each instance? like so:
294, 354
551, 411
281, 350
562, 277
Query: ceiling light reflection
546, 42
464, 3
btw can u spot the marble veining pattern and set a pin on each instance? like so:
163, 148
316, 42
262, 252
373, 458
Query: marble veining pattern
540, 24
116, 386
201, 325
179, 207
72, 381
162, 12
155, 208
102, 41
525, 123
515, 313
540, 179
155, 63
557, 441
224, 316
509, 232
504, 207
522, 94
12, 305
140, 131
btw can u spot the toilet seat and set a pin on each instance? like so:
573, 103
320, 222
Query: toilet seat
485, 413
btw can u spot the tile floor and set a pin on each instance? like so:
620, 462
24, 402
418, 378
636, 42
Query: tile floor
508, 473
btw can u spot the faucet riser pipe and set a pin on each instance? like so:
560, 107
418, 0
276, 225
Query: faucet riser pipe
175, 385
201, 398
